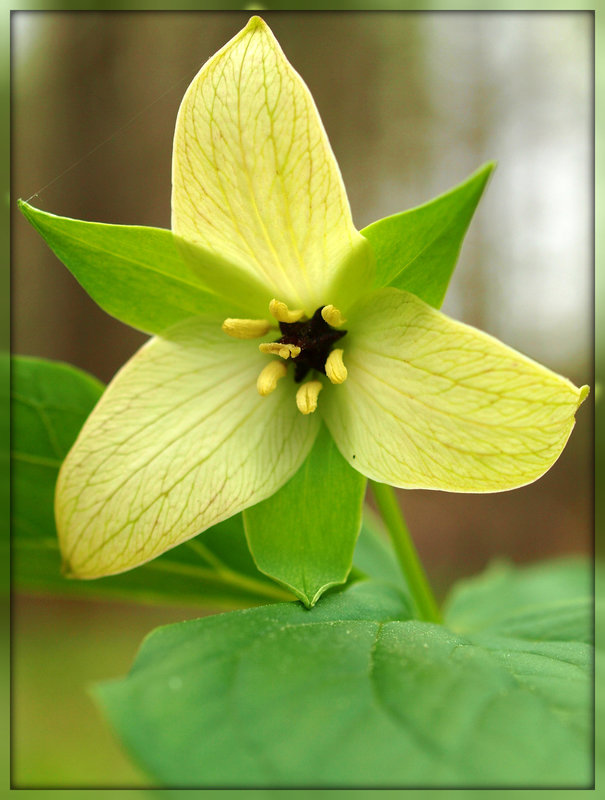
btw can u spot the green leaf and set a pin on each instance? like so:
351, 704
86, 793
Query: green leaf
551, 600
304, 535
5, 478
134, 273
50, 402
417, 250
353, 693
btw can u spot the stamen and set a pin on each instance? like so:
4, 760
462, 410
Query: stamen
279, 349
282, 313
246, 328
335, 367
332, 316
306, 396
267, 380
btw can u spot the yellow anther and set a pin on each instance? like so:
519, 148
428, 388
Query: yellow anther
279, 349
332, 316
246, 328
267, 380
282, 313
306, 396
335, 367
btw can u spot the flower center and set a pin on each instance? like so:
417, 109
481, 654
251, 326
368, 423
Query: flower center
308, 342
315, 338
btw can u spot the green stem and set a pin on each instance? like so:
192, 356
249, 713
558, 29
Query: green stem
225, 576
260, 587
409, 562
237, 578
207, 554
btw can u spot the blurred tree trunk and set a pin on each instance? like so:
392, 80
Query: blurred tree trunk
67, 103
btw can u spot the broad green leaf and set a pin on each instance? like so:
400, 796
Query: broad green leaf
5, 466
304, 535
549, 600
134, 273
431, 403
50, 402
417, 250
353, 693
255, 179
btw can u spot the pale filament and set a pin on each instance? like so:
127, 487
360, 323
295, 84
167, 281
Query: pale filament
282, 313
279, 349
246, 328
306, 396
332, 316
335, 367
269, 376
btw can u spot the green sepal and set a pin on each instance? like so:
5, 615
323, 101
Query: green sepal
134, 273
417, 250
304, 535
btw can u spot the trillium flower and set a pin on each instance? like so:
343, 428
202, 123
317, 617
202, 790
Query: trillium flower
218, 412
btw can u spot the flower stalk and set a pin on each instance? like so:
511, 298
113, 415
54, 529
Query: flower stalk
407, 556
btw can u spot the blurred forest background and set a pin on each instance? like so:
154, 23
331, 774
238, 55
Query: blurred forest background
412, 103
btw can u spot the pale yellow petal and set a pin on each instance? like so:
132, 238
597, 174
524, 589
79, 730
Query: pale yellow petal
255, 179
432, 403
180, 440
